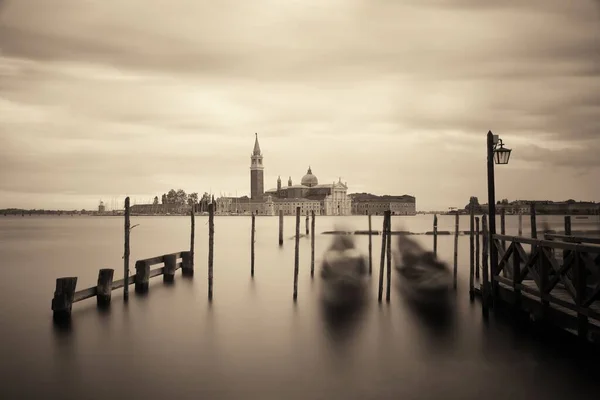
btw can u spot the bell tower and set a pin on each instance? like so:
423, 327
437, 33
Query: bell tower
257, 188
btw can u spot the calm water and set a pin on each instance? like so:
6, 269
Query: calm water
252, 341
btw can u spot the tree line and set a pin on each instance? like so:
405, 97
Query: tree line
181, 198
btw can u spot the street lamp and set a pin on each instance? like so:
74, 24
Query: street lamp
496, 152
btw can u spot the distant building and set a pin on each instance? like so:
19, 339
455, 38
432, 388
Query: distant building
366, 203
547, 207
101, 207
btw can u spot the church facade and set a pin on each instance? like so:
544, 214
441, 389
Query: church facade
309, 195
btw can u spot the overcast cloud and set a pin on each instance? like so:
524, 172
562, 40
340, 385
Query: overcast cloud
103, 99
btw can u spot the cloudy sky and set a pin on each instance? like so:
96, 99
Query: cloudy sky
100, 99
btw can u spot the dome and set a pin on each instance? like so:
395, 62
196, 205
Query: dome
309, 179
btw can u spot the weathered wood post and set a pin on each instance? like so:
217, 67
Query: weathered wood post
381, 265
477, 233
296, 253
126, 252
485, 293
520, 224
104, 287
435, 230
170, 261
211, 242
533, 221
455, 249
312, 244
252, 245
370, 247
306, 223
62, 301
568, 233
187, 259
516, 274
471, 252
503, 226
388, 255
142, 276
281, 227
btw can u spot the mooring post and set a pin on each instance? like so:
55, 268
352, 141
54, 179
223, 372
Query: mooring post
211, 242
485, 293
62, 301
142, 276
520, 224
296, 251
388, 255
471, 252
370, 247
568, 233
435, 230
187, 259
170, 261
455, 249
126, 252
312, 244
306, 223
281, 227
382, 264
503, 226
533, 222
104, 287
252, 245
477, 233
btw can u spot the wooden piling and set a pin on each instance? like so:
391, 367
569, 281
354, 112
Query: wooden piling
565, 253
211, 242
170, 267
472, 252
296, 253
381, 265
533, 221
503, 226
187, 261
104, 287
281, 227
126, 252
312, 244
520, 224
484, 265
63, 298
435, 231
306, 223
477, 233
370, 247
455, 249
142, 276
252, 245
388, 255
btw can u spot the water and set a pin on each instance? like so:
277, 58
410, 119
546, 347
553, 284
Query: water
252, 341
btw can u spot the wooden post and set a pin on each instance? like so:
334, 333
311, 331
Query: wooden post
520, 224
381, 265
568, 233
211, 242
471, 251
187, 266
126, 252
170, 261
370, 247
579, 273
435, 230
63, 298
484, 265
312, 244
503, 226
306, 223
477, 233
455, 249
516, 281
533, 223
104, 287
389, 255
281, 227
297, 250
252, 245
142, 276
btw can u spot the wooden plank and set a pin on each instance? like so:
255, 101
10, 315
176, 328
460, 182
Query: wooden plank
84, 294
572, 239
157, 272
587, 248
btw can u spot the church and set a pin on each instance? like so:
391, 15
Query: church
309, 195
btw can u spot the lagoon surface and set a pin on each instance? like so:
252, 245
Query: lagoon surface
253, 341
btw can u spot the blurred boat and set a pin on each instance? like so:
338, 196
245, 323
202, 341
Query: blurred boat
344, 272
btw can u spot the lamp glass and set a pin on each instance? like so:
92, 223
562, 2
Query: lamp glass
502, 155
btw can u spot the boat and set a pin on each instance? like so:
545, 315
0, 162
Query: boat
344, 273
422, 278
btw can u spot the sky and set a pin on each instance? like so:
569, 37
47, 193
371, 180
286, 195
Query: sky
102, 99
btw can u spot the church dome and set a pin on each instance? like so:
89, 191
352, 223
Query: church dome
309, 179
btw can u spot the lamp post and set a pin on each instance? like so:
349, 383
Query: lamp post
496, 152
